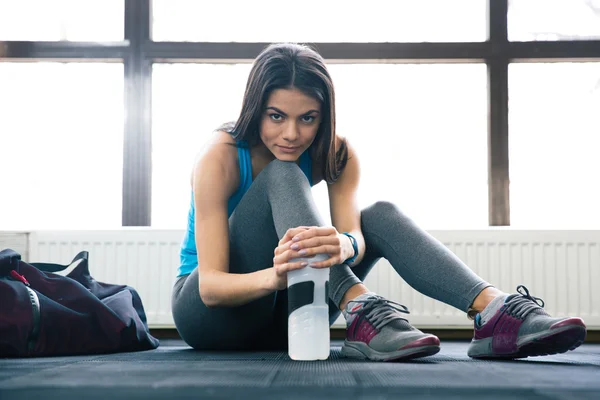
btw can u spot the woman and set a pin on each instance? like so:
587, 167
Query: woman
252, 211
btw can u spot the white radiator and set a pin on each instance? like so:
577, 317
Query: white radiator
143, 258
561, 267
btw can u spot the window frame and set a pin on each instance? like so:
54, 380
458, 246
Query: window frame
138, 52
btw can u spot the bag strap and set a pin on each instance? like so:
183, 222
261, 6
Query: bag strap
49, 267
9, 260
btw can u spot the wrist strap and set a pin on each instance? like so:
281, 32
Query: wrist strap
354, 246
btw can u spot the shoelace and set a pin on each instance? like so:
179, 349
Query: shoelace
521, 306
380, 311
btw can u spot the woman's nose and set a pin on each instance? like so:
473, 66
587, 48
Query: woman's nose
290, 131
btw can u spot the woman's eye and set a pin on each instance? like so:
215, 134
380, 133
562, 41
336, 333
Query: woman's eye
308, 119
276, 117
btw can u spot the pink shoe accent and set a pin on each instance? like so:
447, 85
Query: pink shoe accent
361, 333
504, 329
426, 341
568, 322
506, 334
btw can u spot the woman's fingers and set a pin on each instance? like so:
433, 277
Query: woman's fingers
282, 248
287, 267
332, 250
306, 242
301, 233
291, 233
308, 248
315, 231
330, 262
316, 242
329, 245
289, 254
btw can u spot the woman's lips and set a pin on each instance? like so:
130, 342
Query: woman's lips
288, 149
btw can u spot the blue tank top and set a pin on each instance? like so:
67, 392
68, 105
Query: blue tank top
188, 256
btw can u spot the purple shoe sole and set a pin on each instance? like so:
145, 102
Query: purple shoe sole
417, 353
554, 341
423, 347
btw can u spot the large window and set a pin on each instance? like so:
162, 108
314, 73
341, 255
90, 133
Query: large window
554, 143
421, 134
391, 113
104, 105
61, 136
320, 21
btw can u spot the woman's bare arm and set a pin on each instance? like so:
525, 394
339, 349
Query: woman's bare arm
215, 178
343, 204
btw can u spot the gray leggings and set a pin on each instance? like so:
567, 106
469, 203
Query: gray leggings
280, 198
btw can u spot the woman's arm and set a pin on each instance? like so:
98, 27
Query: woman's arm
343, 206
214, 180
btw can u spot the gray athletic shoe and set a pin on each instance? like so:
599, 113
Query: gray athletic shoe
377, 331
522, 328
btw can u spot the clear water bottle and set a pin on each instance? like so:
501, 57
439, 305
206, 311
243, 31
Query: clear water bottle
308, 311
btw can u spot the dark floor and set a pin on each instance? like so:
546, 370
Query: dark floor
175, 371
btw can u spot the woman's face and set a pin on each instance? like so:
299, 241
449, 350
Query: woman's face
289, 123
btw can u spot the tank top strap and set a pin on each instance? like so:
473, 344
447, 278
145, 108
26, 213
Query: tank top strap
306, 165
245, 161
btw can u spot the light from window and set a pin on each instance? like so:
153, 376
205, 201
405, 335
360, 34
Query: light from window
554, 140
320, 21
50, 20
421, 133
61, 135
544, 20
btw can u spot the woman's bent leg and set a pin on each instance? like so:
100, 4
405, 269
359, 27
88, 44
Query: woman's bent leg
420, 259
429, 267
376, 328
279, 199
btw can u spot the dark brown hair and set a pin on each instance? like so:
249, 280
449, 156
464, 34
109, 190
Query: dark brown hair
284, 66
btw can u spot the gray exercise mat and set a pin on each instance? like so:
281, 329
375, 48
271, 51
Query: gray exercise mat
175, 371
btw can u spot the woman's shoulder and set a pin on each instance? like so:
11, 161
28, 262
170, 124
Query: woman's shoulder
224, 137
341, 142
220, 153
348, 150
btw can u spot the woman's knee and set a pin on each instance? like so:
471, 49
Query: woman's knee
383, 218
378, 210
282, 172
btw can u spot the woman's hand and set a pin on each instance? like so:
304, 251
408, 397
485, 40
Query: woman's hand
305, 242
278, 279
